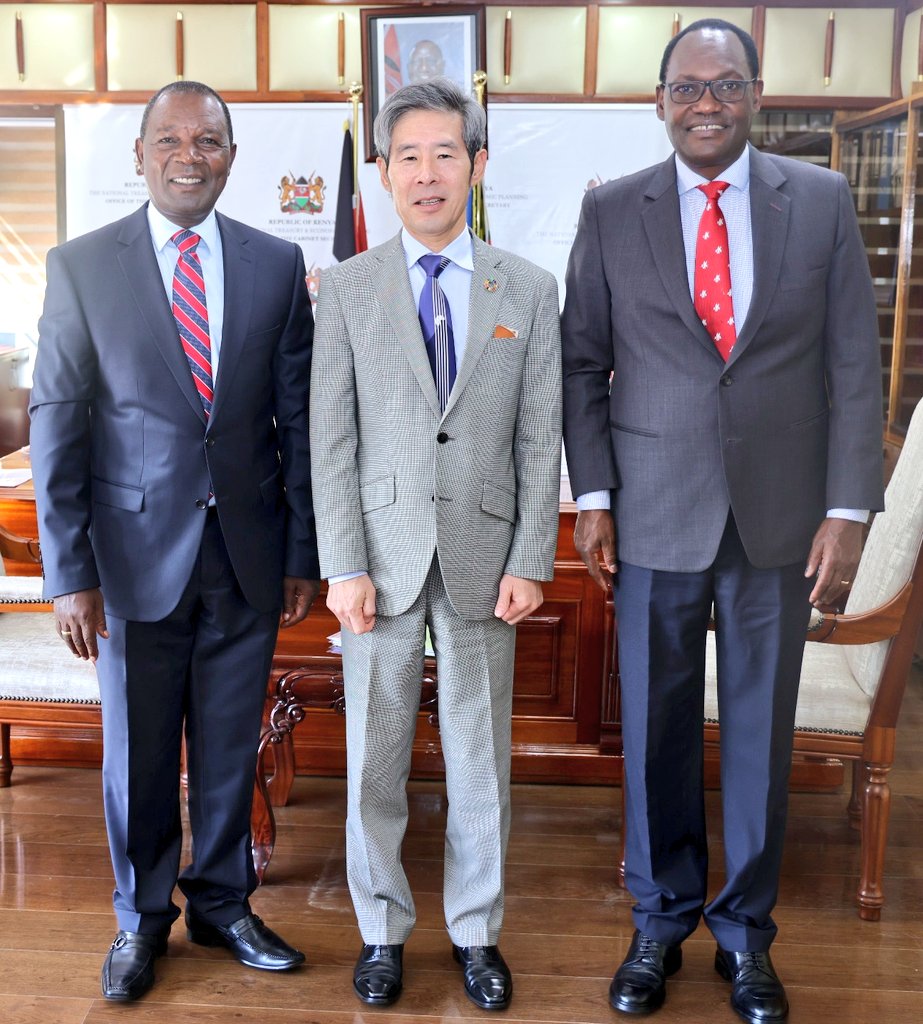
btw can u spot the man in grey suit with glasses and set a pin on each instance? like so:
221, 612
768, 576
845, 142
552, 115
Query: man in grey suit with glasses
737, 434
436, 431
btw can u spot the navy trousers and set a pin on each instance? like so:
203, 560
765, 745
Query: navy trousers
761, 616
203, 668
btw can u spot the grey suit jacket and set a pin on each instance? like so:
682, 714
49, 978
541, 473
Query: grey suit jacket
120, 450
394, 480
789, 428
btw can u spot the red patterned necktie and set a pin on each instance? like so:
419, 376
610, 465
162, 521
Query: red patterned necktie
191, 314
713, 300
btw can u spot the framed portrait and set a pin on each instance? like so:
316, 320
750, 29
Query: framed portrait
401, 45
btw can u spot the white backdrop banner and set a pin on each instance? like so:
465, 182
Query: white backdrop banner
543, 158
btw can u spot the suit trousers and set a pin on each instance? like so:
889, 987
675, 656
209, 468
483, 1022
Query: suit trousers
761, 616
205, 665
383, 672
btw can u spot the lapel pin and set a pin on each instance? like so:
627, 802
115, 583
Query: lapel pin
491, 284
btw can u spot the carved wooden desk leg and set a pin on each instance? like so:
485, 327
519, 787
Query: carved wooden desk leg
6, 759
295, 692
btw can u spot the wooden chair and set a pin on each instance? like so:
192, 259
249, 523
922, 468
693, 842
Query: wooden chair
857, 665
42, 684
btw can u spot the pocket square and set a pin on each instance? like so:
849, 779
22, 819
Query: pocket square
505, 332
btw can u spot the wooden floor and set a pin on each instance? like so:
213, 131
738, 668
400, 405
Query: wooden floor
567, 924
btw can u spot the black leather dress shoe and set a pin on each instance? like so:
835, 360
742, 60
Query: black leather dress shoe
248, 939
488, 982
639, 985
128, 970
757, 996
379, 973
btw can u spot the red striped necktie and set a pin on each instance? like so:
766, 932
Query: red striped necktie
191, 314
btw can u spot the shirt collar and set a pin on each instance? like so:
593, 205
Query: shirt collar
162, 230
738, 174
460, 250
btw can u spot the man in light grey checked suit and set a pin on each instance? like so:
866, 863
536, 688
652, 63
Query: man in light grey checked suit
737, 471
437, 505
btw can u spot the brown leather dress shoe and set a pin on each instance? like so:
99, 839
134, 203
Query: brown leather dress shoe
251, 942
128, 970
639, 985
757, 996
379, 973
488, 982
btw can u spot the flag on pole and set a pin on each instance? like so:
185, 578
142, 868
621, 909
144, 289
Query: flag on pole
393, 77
349, 234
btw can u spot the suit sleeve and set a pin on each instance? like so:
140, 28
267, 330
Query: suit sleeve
291, 383
586, 328
63, 390
537, 444
335, 440
853, 370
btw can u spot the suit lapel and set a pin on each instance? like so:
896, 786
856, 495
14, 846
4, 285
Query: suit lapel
143, 280
239, 273
483, 308
664, 229
769, 215
392, 285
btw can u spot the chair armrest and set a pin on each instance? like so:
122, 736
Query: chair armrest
879, 623
19, 549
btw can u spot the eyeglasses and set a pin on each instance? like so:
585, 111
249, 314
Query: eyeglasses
724, 90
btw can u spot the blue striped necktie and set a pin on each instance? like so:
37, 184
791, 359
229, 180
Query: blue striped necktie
191, 315
436, 323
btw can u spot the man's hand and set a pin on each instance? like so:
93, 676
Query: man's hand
297, 597
594, 535
79, 619
353, 603
834, 558
518, 598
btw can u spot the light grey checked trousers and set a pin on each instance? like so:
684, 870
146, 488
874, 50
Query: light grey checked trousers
383, 676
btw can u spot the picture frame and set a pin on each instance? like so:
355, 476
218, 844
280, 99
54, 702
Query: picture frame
401, 45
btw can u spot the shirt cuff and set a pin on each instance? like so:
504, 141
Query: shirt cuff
594, 500
856, 515
343, 577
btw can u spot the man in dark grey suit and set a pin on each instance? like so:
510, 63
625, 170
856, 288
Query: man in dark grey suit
172, 479
437, 506
740, 442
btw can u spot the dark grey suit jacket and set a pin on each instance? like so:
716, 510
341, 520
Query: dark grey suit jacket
788, 428
120, 450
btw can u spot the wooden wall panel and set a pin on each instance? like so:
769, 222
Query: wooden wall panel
220, 45
303, 46
58, 46
793, 52
548, 49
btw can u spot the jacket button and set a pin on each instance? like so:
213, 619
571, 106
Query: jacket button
201, 503
727, 380
442, 437
209, 442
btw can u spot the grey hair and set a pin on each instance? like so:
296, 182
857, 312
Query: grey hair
436, 94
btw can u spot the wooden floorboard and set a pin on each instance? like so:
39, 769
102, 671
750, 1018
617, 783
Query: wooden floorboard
567, 923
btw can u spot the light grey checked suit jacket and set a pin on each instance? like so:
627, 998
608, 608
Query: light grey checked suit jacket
395, 479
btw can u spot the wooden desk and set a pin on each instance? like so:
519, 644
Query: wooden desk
17, 510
